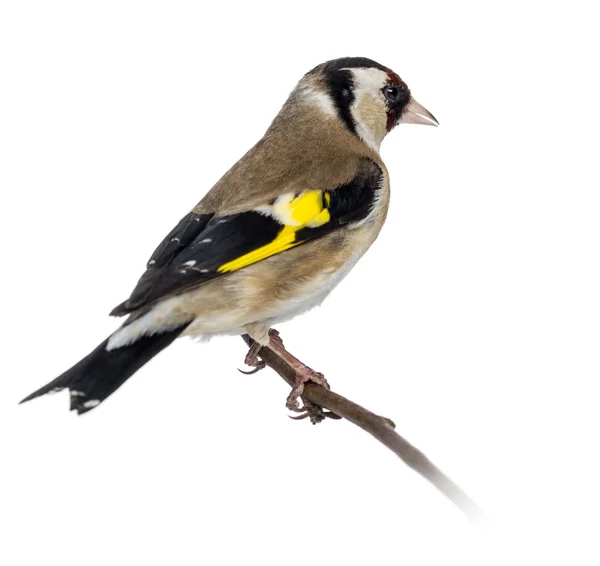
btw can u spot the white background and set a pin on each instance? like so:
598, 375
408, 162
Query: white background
473, 322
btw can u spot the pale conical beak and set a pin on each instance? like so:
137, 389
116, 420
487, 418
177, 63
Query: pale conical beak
415, 113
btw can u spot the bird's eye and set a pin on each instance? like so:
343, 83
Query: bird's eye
392, 93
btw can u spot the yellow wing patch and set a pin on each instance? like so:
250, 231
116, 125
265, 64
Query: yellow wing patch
309, 209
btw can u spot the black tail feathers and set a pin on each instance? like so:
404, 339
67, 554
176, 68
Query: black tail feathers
103, 371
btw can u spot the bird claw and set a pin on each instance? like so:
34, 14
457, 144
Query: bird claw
303, 376
300, 417
253, 361
314, 412
256, 369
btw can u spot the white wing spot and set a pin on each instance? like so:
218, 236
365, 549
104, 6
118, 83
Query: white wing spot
190, 263
152, 262
175, 240
91, 403
206, 241
77, 393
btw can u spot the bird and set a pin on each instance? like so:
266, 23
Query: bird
271, 239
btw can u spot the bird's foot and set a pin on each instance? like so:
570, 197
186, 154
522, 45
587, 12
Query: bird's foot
253, 360
304, 374
275, 338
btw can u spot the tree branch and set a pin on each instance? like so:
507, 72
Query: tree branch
379, 427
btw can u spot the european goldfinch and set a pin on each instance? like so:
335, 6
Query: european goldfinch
272, 238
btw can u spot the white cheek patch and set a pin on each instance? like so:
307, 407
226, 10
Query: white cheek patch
369, 109
319, 99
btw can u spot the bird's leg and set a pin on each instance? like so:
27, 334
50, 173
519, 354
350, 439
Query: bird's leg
252, 360
304, 374
308, 410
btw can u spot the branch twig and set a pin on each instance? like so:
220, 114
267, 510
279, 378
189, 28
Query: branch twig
379, 427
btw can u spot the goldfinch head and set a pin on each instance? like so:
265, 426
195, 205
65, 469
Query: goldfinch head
367, 97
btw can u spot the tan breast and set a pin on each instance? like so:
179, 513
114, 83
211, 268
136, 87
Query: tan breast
284, 285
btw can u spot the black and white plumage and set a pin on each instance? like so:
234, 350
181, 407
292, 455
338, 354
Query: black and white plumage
273, 237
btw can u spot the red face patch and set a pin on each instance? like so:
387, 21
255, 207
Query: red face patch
394, 78
393, 114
